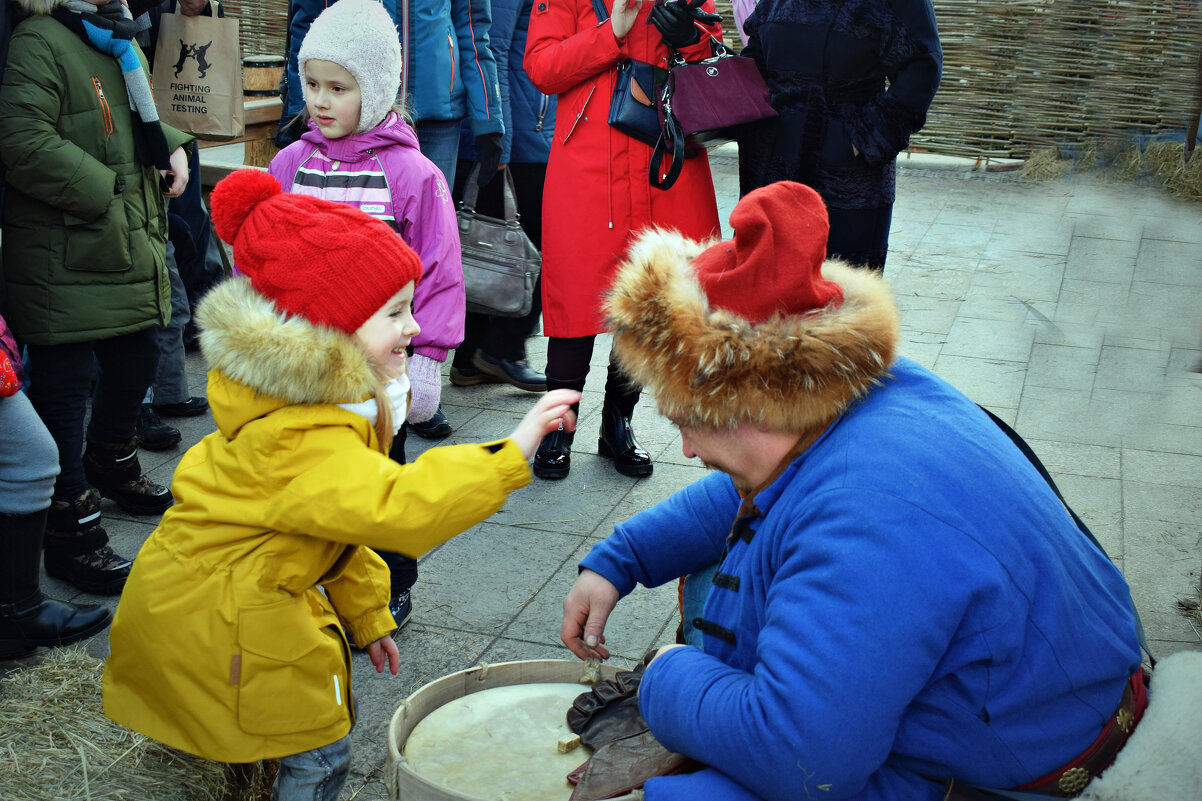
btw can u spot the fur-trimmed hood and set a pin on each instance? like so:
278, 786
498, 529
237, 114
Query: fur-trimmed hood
247, 339
709, 368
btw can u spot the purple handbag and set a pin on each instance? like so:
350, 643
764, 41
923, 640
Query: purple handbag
705, 102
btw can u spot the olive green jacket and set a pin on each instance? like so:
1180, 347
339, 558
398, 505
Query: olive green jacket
85, 224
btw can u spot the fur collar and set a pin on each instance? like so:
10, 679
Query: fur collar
245, 337
711, 369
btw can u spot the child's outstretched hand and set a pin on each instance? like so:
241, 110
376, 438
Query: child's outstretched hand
551, 410
383, 652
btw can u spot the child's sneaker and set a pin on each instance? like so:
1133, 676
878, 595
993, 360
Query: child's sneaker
401, 607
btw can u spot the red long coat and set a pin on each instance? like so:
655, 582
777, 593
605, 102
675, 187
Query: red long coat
597, 196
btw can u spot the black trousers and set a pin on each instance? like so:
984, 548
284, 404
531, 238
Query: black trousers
403, 568
504, 337
61, 383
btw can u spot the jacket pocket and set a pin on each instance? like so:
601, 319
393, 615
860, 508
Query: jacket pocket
100, 245
293, 675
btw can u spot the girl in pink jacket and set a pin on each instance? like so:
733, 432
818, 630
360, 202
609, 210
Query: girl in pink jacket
360, 151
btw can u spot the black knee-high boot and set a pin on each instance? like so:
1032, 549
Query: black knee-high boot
28, 618
617, 440
554, 456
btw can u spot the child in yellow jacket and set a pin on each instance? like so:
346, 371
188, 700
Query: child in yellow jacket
224, 644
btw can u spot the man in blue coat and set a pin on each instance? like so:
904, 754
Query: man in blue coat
901, 600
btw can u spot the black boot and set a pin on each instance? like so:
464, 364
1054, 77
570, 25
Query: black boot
113, 468
28, 618
77, 547
617, 440
554, 456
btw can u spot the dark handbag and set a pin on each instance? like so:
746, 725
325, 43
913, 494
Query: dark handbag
633, 107
705, 102
500, 263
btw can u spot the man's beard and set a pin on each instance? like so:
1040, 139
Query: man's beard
739, 483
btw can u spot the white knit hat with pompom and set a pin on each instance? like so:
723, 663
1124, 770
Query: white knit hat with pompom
360, 37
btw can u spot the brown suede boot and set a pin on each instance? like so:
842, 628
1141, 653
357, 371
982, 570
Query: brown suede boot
113, 468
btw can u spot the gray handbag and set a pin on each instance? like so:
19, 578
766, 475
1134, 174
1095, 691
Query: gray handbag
500, 263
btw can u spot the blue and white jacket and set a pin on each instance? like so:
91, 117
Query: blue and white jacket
529, 114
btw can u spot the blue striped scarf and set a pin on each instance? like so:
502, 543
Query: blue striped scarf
113, 35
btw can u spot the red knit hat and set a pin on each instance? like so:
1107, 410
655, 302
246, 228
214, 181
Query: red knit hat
774, 262
328, 262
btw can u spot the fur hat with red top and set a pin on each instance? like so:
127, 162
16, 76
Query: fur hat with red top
326, 262
760, 329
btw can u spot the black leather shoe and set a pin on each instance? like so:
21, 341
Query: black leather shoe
192, 407
516, 374
554, 456
153, 433
437, 427
38, 620
617, 442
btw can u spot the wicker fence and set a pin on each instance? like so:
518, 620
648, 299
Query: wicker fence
1017, 75
263, 25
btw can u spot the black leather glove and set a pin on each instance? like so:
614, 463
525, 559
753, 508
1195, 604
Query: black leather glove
674, 20
704, 17
488, 153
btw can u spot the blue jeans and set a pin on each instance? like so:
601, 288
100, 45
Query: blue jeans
439, 142
696, 591
171, 379
28, 458
316, 775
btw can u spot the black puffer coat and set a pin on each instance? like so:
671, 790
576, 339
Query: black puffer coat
852, 80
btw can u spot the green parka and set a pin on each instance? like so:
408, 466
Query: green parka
85, 224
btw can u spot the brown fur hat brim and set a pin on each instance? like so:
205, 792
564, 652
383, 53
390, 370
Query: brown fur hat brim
709, 368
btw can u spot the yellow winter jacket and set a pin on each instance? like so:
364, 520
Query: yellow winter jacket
222, 644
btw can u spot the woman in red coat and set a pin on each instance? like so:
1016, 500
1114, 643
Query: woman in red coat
597, 196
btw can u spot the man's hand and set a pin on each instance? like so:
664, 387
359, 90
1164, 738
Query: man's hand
178, 174
192, 8
585, 611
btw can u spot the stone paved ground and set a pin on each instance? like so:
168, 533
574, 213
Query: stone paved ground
1071, 309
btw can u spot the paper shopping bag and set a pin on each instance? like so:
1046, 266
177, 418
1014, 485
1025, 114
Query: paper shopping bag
197, 75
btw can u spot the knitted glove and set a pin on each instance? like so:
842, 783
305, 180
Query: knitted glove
425, 376
674, 20
488, 153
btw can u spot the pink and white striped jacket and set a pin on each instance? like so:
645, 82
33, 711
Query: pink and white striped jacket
382, 172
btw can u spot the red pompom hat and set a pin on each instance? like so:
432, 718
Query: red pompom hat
774, 262
328, 262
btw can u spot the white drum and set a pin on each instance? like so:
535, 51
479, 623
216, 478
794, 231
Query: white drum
491, 733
